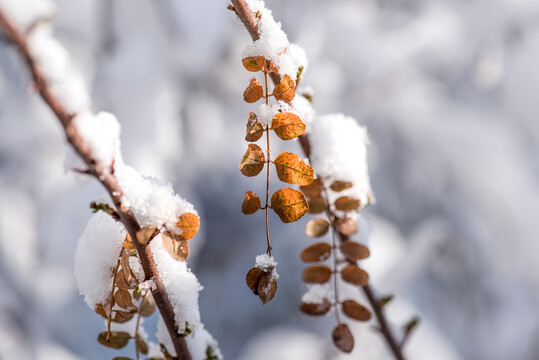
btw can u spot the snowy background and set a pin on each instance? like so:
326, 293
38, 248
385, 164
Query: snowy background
448, 91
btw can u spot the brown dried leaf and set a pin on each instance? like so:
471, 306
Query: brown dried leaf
313, 190
346, 203
287, 125
346, 226
267, 287
123, 299
254, 91
343, 339
272, 67
100, 309
123, 283
289, 204
317, 252
141, 345
317, 274
355, 310
317, 205
123, 316
117, 340
148, 306
285, 90
315, 309
255, 129
355, 275
354, 251
126, 269
176, 247
253, 63
189, 224
145, 234
253, 278
121, 358
251, 203
253, 161
128, 243
339, 185
317, 227
291, 169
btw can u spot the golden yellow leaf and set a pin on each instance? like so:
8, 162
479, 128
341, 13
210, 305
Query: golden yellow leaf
355, 310
128, 243
254, 128
291, 169
353, 274
289, 204
285, 90
343, 338
253, 92
317, 274
317, 252
253, 63
253, 161
287, 125
317, 227
189, 224
251, 203
346, 203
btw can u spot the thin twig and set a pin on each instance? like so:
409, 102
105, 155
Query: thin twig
109, 315
107, 179
268, 161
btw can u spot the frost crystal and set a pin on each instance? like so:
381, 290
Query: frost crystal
267, 263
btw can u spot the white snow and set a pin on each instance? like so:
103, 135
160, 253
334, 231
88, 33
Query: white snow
24, 13
267, 263
317, 293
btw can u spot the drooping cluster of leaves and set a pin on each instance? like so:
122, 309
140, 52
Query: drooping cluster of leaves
289, 204
346, 254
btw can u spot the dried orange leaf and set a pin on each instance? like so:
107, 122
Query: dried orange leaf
339, 185
313, 190
355, 310
100, 309
287, 125
251, 203
123, 299
316, 309
285, 90
346, 203
117, 339
317, 252
254, 91
254, 128
346, 226
176, 247
272, 67
289, 204
317, 274
128, 243
353, 274
317, 227
354, 251
291, 169
253, 63
317, 205
343, 339
267, 287
253, 161
189, 224
253, 278
145, 234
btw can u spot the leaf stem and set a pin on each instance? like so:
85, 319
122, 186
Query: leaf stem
268, 250
109, 315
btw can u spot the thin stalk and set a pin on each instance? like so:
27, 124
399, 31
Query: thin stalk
109, 317
138, 324
266, 95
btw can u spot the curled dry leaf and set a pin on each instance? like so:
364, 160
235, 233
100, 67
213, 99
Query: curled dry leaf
355, 310
123, 299
253, 63
287, 125
176, 247
342, 338
251, 203
339, 185
117, 340
317, 227
253, 161
128, 243
123, 283
291, 169
317, 252
285, 90
126, 269
346, 226
100, 309
346, 203
315, 309
317, 205
267, 287
145, 234
354, 251
253, 278
121, 316
254, 128
353, 274
313, 190
254, 91
317, 274
189, 224
289, 204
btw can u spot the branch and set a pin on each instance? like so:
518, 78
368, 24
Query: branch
107, 179
249, 21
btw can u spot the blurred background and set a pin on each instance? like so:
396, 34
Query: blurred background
449, 93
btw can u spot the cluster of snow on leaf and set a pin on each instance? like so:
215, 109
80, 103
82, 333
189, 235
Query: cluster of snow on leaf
267, 263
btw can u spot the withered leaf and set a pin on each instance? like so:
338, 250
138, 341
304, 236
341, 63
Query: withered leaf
339, 185
289, 204
189, 224
285, 90
291, 169
141, 345
313, 190
346, 203
355, 310
123, 299
126, 269
253, 161
342, 338
145, 234
317, 252
147, 306
317, 274
251, 203
267, 287
100, 309
128, 243
123, 283
177, 248
253, 63
254, 128
317, 227
117, 340
253, 278
354, 251
315, 309
121, 358
254, 91
346, 226
123, 316
317, 205
353, 274
287, 125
